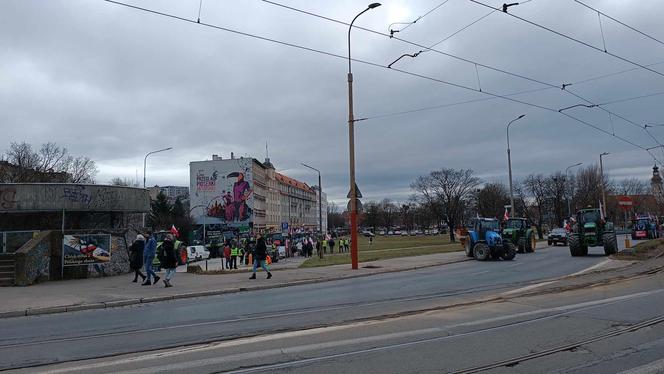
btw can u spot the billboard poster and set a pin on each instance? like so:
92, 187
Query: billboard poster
222, 192
86, 249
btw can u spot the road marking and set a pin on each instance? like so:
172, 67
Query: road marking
589, 269
651, 368
558, 311
528, 288
481, 272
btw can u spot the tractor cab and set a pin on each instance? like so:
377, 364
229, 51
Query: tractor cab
644, 227
591, 230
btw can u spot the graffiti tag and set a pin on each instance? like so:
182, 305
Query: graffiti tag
77, 194
8, 198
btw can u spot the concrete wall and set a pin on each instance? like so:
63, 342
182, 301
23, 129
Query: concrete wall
33, 260
25, 197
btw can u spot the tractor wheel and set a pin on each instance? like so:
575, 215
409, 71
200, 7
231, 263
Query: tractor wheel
468, 248
575, 248
531, 243
610, 243
521, 245
509, 251
481, 251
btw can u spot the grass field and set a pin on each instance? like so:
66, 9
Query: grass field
386, 247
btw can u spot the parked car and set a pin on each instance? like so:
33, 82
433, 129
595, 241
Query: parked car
197, 253
404, 233
390, 233
382, 233
434, 232
558, 235
397, 232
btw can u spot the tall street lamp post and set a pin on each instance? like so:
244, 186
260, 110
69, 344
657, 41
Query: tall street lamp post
320, 200
145, 160
601, 182
351, 143
569, 205
509, 163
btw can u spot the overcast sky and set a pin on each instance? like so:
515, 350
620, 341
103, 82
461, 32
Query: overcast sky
114, 83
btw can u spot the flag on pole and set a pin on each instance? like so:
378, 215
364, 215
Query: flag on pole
506, 215
601, 211
174, 231
567, 226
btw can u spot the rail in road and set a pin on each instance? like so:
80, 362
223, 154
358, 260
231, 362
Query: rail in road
31, 341
241, 356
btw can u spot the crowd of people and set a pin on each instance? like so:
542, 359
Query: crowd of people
256, 251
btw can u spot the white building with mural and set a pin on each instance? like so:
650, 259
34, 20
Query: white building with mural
247, 194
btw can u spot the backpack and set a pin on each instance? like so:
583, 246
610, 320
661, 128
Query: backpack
161, 253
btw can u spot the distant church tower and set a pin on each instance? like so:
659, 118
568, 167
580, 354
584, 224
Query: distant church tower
656, 185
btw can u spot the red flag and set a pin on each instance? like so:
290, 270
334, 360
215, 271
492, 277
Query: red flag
506, 216
174, 231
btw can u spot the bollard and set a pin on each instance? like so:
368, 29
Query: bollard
628, 244
206, 268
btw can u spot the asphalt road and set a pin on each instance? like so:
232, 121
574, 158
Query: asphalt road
39, 340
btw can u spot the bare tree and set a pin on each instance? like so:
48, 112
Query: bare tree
50, 164
588, 186
451, 188
631, 186
537, 187
124, 182
388, 212
372, 214
490, 200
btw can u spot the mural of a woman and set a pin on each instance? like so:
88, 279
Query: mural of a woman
241, 192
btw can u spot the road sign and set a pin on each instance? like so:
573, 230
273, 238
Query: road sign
625, 202
284, 226
357, 193
359, 205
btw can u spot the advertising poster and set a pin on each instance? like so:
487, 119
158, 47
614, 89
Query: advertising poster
222, 192
86, 249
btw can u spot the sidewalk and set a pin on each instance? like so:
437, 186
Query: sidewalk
97, 293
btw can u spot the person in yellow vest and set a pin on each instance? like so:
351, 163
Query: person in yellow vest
235, 251
324, 243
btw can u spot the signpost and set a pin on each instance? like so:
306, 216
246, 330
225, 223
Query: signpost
625, 203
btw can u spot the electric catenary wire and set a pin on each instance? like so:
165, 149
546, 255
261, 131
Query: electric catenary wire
574, 39
475, 63
620, 22
408, 24
254, 36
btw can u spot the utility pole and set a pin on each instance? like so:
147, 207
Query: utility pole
601, 182
509, 163
351, 146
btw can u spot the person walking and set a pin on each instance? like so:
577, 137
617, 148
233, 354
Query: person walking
168, 259
331, 244
136, 257
324, 245
149, 253
260, 257
234, 253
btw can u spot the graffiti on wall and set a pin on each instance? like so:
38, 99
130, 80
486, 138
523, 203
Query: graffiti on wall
8, 198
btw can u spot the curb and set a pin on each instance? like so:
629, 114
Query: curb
189, 295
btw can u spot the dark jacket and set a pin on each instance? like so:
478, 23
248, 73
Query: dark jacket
136, 254
170, 260
261, 250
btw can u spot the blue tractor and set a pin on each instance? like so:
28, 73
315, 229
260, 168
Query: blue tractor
484, 241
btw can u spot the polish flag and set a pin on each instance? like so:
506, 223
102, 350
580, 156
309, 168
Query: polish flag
174, 231
506, 216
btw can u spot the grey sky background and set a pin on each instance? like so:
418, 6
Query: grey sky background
114, 83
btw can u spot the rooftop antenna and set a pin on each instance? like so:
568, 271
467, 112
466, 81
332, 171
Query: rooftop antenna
267, 153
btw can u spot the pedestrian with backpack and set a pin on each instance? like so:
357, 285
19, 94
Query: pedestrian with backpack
168, 259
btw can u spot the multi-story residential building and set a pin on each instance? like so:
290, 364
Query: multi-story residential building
248, 194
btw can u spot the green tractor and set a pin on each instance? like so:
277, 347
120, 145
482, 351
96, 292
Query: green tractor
180, 249
590, 230
519, 231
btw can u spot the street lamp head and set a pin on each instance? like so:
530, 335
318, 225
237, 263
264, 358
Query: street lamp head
373, 5
521, 116
604, 153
